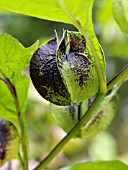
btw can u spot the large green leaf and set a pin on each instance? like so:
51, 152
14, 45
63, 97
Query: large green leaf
3, 11
77, 12
14, 59
111, 165
57, 10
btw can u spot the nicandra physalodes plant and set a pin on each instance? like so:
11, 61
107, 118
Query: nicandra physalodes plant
64, 73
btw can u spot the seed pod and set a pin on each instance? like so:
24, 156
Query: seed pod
45, 74
64, 74
76, 68
9, 141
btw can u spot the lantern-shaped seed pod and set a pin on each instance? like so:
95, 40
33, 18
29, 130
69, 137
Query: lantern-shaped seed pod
64, 73
9, 141
45, 74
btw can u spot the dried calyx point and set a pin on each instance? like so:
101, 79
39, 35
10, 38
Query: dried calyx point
9, 141
63, 73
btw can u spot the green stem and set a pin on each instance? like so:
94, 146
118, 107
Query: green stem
24, 143
23, 138
121, 76
21, 123
21, 160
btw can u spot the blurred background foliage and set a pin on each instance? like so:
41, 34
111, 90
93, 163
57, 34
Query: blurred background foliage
42, 130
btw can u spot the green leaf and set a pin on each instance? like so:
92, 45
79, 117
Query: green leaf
14, 59
120, 12
56, 10
77, 12
7, 105
4, 11
111, 165
100, 121
102, 116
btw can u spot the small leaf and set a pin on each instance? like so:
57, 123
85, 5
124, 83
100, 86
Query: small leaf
14, 56
120, 12
9, 141
14, 59
100, 121
111, 165
102, 116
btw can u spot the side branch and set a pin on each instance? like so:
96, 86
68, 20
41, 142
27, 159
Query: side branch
21, 123
121, 77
